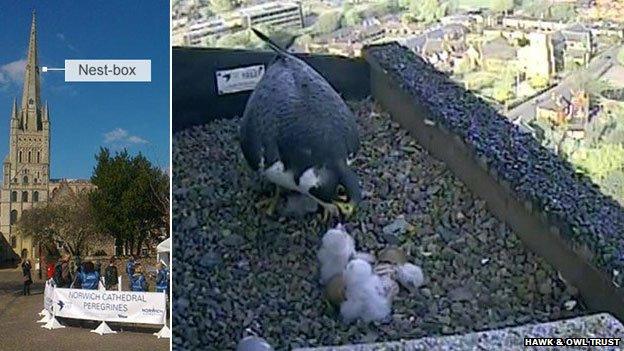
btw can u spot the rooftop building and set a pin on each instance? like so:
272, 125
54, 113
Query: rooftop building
274, 14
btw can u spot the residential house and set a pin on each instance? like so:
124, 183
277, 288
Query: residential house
532, 24
441, 47
537, 57
497, 54
471, 21
348, 41
573, 47
567, 108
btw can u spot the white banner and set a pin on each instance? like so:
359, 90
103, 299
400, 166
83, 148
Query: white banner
48, 295
110, 306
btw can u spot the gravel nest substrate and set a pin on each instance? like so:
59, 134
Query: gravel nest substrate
238, 271
591, 221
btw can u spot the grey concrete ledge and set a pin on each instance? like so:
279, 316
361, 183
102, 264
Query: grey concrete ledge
594, 326
571, 201
558, 213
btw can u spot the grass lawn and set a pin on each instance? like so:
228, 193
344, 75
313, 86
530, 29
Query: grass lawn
464, 4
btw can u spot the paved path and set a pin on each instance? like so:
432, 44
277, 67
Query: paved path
18, 330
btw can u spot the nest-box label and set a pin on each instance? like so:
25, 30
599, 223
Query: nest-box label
108, 70
239, 79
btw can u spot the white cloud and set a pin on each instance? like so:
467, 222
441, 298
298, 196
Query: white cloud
115, 135
137, 140
121, 137
12, 73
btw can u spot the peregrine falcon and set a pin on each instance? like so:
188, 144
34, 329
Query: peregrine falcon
298, 133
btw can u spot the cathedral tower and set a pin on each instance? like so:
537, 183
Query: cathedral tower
27, 166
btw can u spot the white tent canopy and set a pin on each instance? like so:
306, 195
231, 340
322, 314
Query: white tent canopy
163, 249
164, 246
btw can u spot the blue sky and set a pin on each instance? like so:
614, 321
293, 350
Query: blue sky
85, 116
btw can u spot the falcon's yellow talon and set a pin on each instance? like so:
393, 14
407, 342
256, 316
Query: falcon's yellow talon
270, 203
345, 208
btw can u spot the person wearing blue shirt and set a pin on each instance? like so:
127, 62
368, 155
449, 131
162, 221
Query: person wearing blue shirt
130, 267
162, 278
89, 277
138, 281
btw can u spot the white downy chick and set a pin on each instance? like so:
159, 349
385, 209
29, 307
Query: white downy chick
362, 292
336, 250
365, 256
253, 343
410, 276
387, 274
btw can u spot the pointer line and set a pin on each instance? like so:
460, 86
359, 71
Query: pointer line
45, 69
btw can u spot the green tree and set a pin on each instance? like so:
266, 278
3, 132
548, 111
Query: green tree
218, 6
304, 40
614, 133
241, 40
502, 6
130, 199
536, 8
352, 17
427, 11
479, 80
463, 66
613, 185
620, 56
502, 93
600, 161
281, 36
538, 82
327, 22
380, 8
67, 221
562, 12
211, 41
585, 81
404, 4
503, 89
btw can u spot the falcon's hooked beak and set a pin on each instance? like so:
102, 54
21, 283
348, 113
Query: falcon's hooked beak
348, 194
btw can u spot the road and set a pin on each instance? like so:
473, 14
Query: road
597, 67
18, 330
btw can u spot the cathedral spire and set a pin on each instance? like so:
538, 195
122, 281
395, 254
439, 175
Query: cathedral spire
14, 110
30, 95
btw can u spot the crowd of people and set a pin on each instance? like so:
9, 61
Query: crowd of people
87, 275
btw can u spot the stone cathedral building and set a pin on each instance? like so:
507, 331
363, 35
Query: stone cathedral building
26, 170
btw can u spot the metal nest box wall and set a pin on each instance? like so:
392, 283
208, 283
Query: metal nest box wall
198, 74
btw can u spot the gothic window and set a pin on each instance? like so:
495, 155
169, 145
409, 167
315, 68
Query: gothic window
25, 180
19, 157
35, 196
13, 241
14, 196
38, 156
24, 196
29, 153
13, 217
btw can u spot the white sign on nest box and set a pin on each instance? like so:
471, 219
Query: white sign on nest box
239, 79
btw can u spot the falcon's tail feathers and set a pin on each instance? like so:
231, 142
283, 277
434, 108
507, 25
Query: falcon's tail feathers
270, 42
